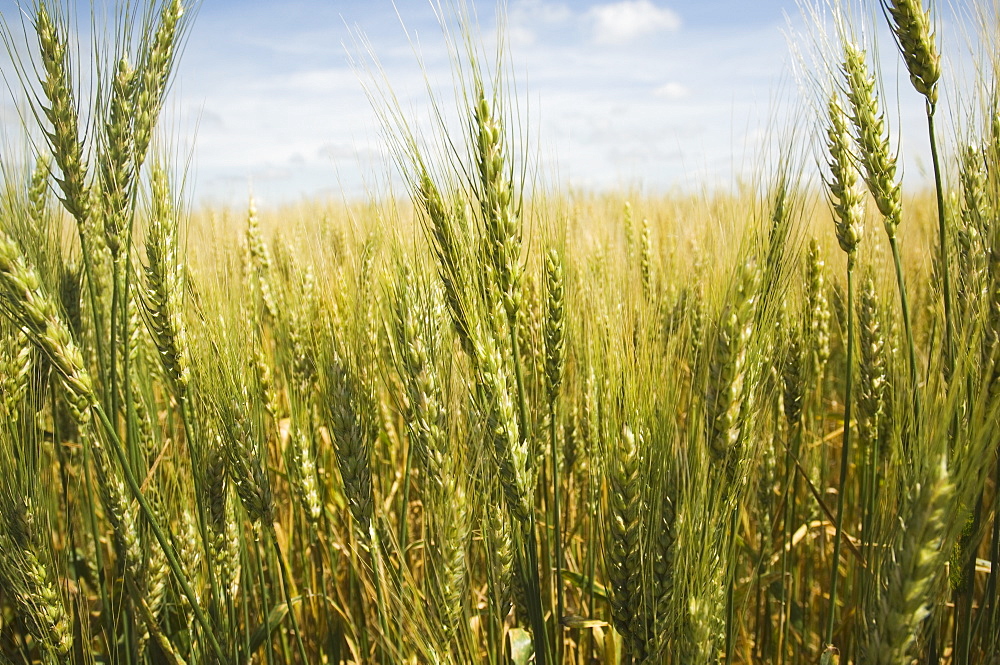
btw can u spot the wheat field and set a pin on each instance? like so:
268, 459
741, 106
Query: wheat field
477, 421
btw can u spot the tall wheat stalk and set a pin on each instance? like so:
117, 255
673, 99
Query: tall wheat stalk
845, 198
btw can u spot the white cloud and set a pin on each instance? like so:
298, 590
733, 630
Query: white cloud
520, 35
539, 11
351, 152
620, 22
672, 91
318, 81
524, 17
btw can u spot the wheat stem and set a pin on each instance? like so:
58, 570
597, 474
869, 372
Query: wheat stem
845, 453
907, 328
949, 321
161, 538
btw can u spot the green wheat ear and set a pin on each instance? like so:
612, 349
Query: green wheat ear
352, 441
34, 311
916, 574
165, 286
555, 324
61, 113
28, 580
844, 193
624, 548
876, 157
725, 399
915, 38
151, 80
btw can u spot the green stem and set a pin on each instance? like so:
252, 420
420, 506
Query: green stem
131, 420
533, 592
329, 647
197, 478
113, 367
265, 599
288, 594
356, 598
522, 399
904, 304
992, 598
95, 312
734, 525
244, 607
374, 545
963, 603
404, 524
590, 501
845, 453
105, 614
529, 558
560, 612
871, 477
791, 481
496, 651
949, 350
161, 538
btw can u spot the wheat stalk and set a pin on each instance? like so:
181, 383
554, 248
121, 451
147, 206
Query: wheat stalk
846, 202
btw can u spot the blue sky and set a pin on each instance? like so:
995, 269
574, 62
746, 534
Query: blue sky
654, 93
620, 93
